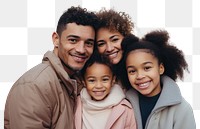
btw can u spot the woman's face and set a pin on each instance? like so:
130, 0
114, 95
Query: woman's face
109, 44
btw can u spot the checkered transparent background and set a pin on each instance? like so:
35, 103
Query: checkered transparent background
26, 27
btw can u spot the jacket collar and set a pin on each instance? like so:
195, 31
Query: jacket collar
170, 94
117, 111
55, 62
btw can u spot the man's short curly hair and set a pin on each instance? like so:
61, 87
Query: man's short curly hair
115, 21
78, 15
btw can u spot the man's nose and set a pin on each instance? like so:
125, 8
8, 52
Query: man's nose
80, 47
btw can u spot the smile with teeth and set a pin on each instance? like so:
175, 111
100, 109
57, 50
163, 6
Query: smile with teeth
79, 58
98, 93
112, 55
144, 85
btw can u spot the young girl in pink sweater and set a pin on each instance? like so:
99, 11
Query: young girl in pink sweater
102, 103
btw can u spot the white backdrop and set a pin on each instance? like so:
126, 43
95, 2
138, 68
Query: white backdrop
26, 27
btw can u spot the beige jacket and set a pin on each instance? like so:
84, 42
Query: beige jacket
43, 98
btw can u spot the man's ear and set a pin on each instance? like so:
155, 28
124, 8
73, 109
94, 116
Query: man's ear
55, 38
162, 69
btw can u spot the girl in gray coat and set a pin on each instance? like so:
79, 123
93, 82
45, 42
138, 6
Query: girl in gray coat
152, 66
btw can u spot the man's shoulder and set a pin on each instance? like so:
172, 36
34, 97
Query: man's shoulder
41, 78
41, 72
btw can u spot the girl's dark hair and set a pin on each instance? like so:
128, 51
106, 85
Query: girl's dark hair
157, 43
97, 58
115, 21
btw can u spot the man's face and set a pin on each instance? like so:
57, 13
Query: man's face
75, 45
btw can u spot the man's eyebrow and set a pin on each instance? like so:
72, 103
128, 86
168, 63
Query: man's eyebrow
90, 40
77, 37
100, 41
73, 36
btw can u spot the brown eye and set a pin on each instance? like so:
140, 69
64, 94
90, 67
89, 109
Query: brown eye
147, 68
91, 80
131, 71
89, 43
105, 79
115, 40
100, 44
72, 40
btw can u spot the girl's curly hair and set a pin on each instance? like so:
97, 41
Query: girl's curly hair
157, 42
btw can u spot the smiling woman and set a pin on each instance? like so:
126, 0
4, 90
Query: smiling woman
113, 26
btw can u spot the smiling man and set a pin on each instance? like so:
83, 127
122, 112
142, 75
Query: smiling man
45, 96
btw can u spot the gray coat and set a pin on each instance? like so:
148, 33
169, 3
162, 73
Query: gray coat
170, 112
43, 98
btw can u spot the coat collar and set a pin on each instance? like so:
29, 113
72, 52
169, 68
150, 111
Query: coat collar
117, 111
70, 84
170, 95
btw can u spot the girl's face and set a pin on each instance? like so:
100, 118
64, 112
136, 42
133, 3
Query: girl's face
98, 80
144, 72
109, 44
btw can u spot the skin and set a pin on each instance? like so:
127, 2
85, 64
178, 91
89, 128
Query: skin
109, 44
144, 72
98, 82
75, 45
